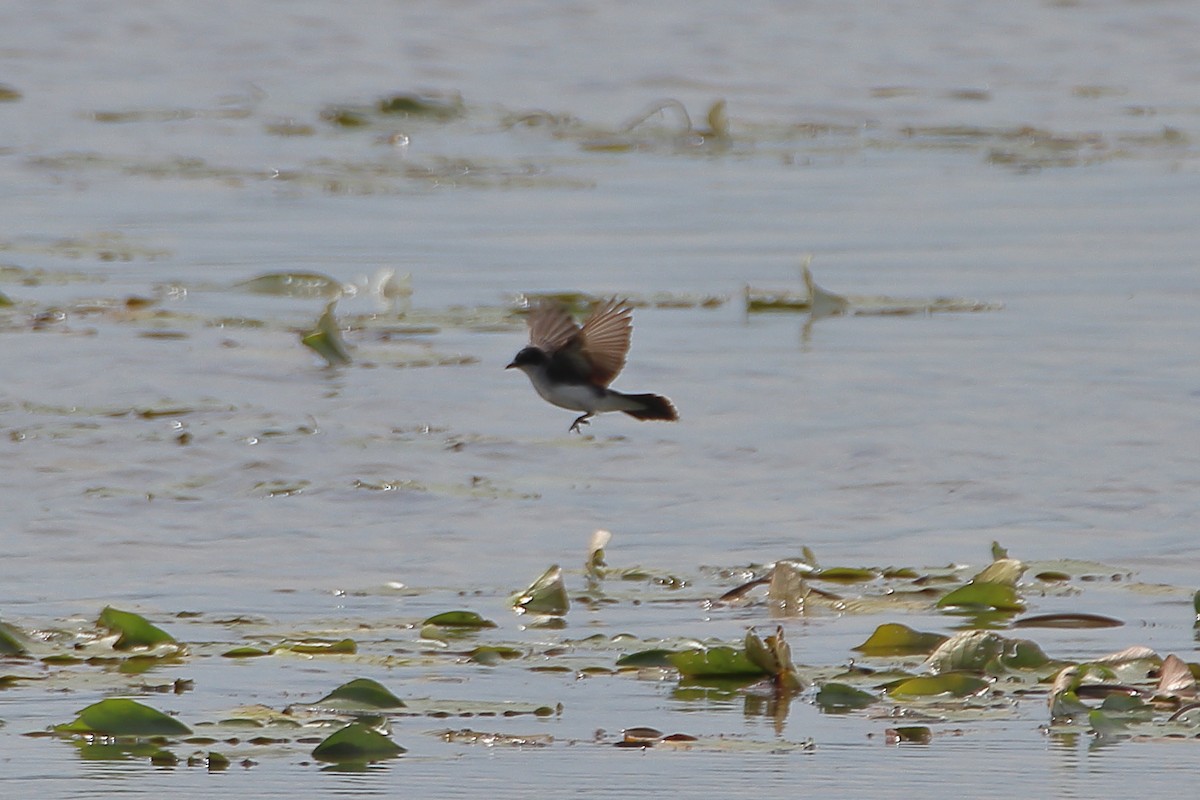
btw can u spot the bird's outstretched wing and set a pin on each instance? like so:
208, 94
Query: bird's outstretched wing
550, 327
604, 339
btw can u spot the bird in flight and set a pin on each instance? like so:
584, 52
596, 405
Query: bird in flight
572, 366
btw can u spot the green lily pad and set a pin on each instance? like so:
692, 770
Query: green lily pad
133, 630
326, 339
968, 651
356, 743
245, 652
459, 619
955, 684
715, 662
491, 655
894, 639
647, 658
985, 595
12, 640
845, 575
834, 697
360, 694
1023, 654
293, 284
123, 717
546, 595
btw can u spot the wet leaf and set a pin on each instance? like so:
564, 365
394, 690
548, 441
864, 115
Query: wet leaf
968, 651
955, 684
356, 743
546, 595
133, 630
1105, 725
1067, 621
293, 284
787, 588
647, 658
321, 647
245, 652
489, 655
1176, 678
983, 595
846, 575
459, 619
909, 734
595, 559
715, 662
1003, 570
12, 640
1023, 654
326, 339
835, 697
360, 694
894, 639
122, 717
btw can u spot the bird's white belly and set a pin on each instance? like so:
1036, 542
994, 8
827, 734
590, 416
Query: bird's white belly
575, 396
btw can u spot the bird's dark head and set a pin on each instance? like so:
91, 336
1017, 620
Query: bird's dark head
527, 358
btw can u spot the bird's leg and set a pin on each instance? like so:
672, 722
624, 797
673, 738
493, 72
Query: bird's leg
581, 421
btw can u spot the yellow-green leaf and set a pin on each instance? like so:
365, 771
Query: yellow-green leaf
714, 662
459, 619
834, 697
360, 694
546, 595
955, 684
119, 716
356, 743
133, 630
983, 595
894, 639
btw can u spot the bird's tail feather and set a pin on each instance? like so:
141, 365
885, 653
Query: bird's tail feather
653, 406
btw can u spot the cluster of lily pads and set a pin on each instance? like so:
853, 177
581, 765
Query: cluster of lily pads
897, 672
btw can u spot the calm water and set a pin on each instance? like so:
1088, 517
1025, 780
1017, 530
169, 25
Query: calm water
1039, 155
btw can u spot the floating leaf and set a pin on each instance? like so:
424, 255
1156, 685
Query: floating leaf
133, 630
293, 284
326, 339
894, 639
647, 658
489, 655
360, 694
1067, 621
1003, 570
321, 647
909, 734
835, 697
356, 743
715, 662
1023, 654
1105, 725
245, 652
1176, 678
595, 559
12, 640
968, 651
546, 595
787, 588
459, 619
122, 717
845, 575
985, 595
955, 684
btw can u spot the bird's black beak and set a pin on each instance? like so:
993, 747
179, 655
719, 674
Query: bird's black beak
511, 365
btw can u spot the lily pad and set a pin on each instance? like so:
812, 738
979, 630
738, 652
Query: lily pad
133, 630
983, 595
119, 716
835, 697
647, 658
326, 339
12, 640
459, 619
293, 284
715, 662
955, 684
546, 595
356, 743
1067, 621
894, 639
360, 694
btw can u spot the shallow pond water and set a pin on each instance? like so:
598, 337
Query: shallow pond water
170, 448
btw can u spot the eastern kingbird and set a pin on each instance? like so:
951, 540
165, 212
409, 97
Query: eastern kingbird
572, 366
